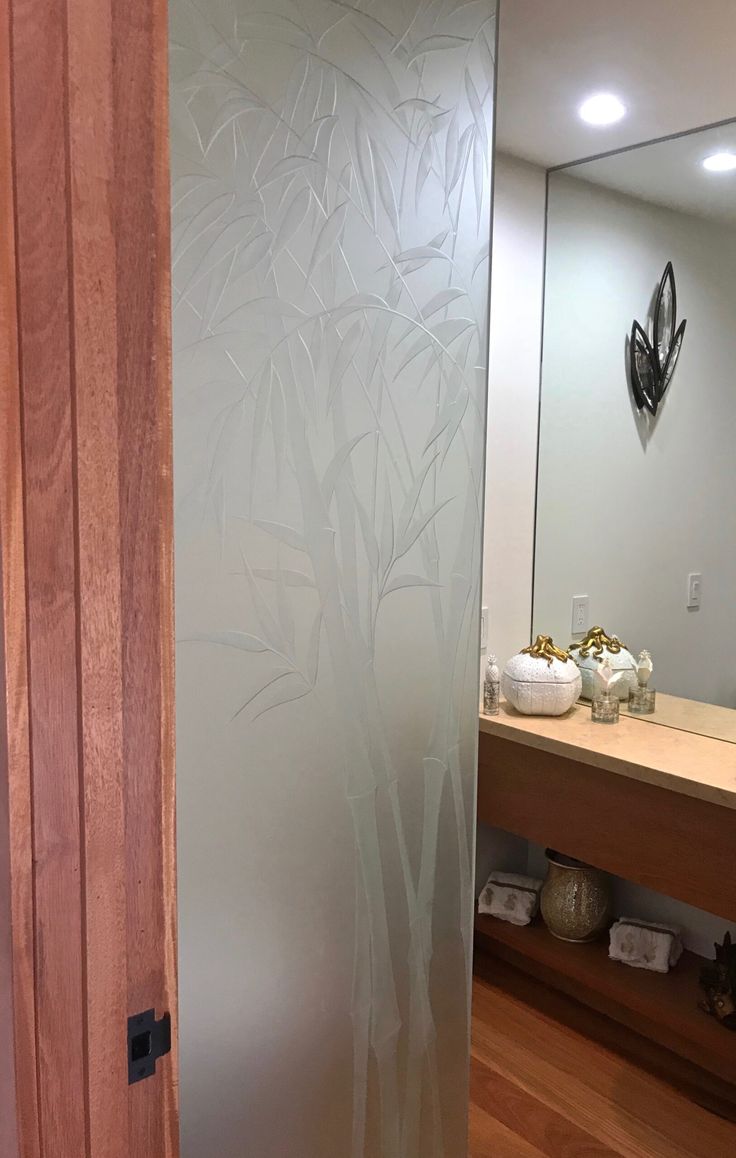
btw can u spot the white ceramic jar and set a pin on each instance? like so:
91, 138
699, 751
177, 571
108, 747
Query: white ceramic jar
593, 651
541, 680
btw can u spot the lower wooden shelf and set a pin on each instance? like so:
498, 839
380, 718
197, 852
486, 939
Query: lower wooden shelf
660, 1007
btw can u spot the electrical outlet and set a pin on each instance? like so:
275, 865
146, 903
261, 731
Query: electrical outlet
483, 628
580, 614
694, 589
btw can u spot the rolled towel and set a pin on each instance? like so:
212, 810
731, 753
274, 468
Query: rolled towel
645, 945
510, 897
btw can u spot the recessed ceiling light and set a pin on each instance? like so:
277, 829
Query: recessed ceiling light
720, 162
602, 109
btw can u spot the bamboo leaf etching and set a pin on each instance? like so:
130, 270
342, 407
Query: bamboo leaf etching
328, 236
330, 227
436, 44
287, 535
289, 577
238, 639
292, 219
408, 581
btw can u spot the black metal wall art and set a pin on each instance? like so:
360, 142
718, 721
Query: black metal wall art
653, 360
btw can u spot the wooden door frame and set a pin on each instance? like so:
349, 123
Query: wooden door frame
87, 842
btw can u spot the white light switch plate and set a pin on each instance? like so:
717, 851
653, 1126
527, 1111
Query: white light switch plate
580, 614
483, 628
694, 589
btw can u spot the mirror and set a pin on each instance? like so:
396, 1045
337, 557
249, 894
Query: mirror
637, 445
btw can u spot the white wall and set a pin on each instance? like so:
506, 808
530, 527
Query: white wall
517, 286
628, 507
515, 342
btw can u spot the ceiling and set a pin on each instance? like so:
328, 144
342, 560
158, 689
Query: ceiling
671, 173
672, 62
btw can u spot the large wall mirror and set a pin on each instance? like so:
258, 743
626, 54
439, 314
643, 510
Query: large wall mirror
636, 511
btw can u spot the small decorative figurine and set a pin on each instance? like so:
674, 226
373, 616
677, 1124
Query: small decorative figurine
644, 668
541, 680
491, 687
592, 651
605, 706
718, 979
642, 697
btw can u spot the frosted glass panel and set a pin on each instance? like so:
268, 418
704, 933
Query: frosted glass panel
331, 187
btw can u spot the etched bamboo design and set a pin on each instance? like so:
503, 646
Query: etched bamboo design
331, 240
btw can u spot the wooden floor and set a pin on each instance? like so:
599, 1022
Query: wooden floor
541, 1086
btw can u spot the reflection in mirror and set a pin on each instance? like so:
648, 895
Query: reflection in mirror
637, 472
652, 359
665, 312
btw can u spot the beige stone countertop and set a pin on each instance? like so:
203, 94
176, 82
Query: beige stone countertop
693, 716
672, 758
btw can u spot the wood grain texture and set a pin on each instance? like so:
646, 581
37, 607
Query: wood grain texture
142, 207
8, 369
489, 1138
91, 127
86, 530
40, 162
541, 1085
601, 1021
8, 1116
662, 1008
639, 831
19, 1126
543, 1129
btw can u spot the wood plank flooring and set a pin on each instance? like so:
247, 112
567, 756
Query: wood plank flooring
542, 1086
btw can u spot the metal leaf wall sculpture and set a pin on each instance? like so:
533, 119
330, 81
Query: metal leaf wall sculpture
653, 360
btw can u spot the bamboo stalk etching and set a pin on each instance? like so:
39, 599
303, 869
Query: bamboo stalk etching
331, 214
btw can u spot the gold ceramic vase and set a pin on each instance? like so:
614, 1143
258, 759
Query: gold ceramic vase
576, 899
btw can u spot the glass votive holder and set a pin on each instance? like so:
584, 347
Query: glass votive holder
641, 701
605, 709
492, 698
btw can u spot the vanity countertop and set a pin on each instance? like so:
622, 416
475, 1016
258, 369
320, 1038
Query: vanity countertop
668, 757
694, 716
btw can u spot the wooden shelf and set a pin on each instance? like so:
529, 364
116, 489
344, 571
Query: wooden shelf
660, 1007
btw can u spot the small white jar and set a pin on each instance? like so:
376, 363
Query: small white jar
541, 680
595, 649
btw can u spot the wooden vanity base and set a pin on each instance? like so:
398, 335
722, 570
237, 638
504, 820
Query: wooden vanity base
645, 823
678, 845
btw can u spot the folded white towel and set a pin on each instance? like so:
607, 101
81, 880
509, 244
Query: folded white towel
645, 945
510, 897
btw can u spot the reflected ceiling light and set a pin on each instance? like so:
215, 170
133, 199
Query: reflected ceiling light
720, 162
603, 108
